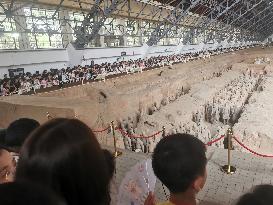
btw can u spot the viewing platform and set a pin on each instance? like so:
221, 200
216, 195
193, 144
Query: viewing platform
220, 188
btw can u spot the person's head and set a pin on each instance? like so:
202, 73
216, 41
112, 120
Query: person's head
7, 166
18, 131
179, 161
64, 154
261, 195
26, 193
2, 136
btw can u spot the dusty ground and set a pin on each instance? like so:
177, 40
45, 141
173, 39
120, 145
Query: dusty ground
133, 98
220, 188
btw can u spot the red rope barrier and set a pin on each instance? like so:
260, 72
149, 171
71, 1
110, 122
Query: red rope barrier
146, 137
96, 131
135, 136
214, 141
250, 150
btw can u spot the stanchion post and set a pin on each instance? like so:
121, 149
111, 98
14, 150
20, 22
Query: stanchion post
116, 152
163, 131
228, 168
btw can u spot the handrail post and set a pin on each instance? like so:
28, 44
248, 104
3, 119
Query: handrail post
228, 169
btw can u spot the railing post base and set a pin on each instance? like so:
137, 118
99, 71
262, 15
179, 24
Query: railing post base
228, 169
117, 153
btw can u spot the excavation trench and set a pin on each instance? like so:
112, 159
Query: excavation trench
203, 123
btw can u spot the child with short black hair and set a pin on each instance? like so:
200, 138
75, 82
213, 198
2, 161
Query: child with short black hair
179, 161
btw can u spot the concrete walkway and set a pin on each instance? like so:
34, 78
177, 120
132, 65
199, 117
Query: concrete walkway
220, 189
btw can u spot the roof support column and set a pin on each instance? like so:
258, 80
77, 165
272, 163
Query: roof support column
65, 28
21, 27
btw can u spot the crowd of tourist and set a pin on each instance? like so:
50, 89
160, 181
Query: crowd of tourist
62, 163
26, 82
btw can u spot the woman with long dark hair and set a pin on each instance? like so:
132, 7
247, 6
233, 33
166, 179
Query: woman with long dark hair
64, 155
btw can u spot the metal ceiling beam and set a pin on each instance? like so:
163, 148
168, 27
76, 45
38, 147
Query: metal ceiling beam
22, 4
155, 11
257, 27
238, 15
142, 8
269, 29
188, 19
242, 15
57, 9
87, 32
268, 33
3, 7
171, 21
261, 16
214, 15
269, 22
83, 31
254, 11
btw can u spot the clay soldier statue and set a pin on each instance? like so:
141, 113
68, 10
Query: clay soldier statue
126, 143
139, 148
225, 115
145, 145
